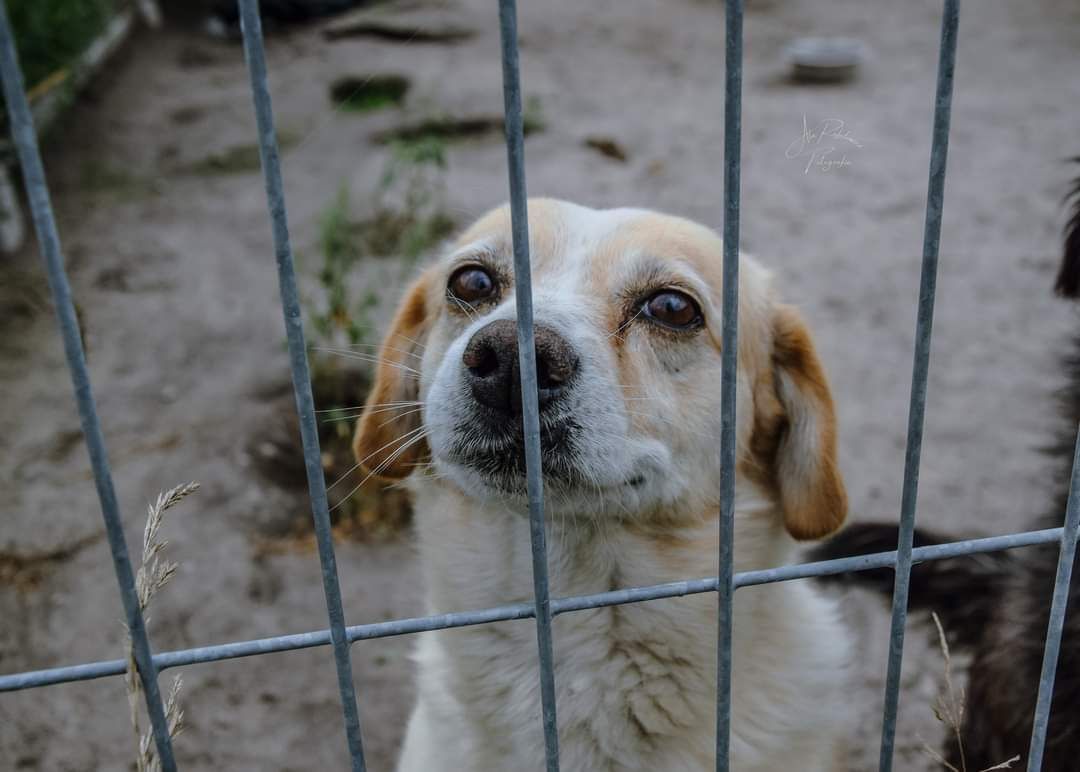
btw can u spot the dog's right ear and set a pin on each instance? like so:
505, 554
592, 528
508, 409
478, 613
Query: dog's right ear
388, 442
1068, 279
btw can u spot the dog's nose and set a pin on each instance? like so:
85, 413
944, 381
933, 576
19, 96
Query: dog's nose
491, 363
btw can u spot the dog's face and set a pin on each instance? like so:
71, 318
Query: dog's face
627, 326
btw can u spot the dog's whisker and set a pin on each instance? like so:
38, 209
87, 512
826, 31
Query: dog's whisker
414, 341
414, 408
354, 412
360, 463
374, 405
378, 407
372, 329
393, 418
339, 419
344, 475
470, 312
375, 347
381, 467
362, 411
362, 357
389, 460
625, 324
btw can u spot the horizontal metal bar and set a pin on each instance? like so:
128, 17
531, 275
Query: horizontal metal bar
37, 678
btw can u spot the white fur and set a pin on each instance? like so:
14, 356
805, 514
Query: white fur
635, 684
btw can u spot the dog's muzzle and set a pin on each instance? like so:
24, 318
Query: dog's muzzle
491, 439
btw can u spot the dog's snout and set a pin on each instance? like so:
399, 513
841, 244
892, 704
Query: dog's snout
492, 370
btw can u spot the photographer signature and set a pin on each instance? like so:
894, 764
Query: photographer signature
819, 145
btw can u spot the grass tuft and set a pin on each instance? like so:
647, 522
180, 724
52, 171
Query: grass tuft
370, 92
51, 34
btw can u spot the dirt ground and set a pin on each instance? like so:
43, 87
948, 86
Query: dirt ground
172, 268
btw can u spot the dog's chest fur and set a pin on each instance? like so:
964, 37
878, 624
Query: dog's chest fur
635, 684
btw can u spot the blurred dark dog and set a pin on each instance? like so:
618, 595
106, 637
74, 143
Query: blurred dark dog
997, 606
225, 16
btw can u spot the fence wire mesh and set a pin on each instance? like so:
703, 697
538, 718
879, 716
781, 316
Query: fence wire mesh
543, 608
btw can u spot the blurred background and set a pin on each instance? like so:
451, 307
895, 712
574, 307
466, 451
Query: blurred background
389, 119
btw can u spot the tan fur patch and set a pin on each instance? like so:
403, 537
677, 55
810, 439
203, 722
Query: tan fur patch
812, 493
769, 425
384, 441
495, 228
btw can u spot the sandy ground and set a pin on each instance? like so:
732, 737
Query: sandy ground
173, 272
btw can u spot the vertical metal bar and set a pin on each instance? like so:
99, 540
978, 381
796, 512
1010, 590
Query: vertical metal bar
301, 379
733, 58
917, 409
530, 407
1057, 617
37, 191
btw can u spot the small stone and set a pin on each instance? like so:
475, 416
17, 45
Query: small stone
825, 60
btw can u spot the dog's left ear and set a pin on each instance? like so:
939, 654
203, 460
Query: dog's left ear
812, 494
386, 442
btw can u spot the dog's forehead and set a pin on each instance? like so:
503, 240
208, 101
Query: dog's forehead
600, 247
644, 242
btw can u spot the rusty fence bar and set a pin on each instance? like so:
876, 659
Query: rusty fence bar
543, 608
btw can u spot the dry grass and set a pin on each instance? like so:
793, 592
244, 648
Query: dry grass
154, 573
949, 710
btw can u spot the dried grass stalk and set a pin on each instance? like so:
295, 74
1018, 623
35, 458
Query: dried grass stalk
153, 574
949, 709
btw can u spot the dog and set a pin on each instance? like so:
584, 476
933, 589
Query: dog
997, 606
224, 15
627, 331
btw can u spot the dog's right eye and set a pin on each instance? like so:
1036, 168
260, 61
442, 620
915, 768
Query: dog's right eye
471, 284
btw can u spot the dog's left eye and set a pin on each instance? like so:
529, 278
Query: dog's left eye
471, 284
673, 309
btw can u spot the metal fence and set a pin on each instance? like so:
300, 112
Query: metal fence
339, 636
